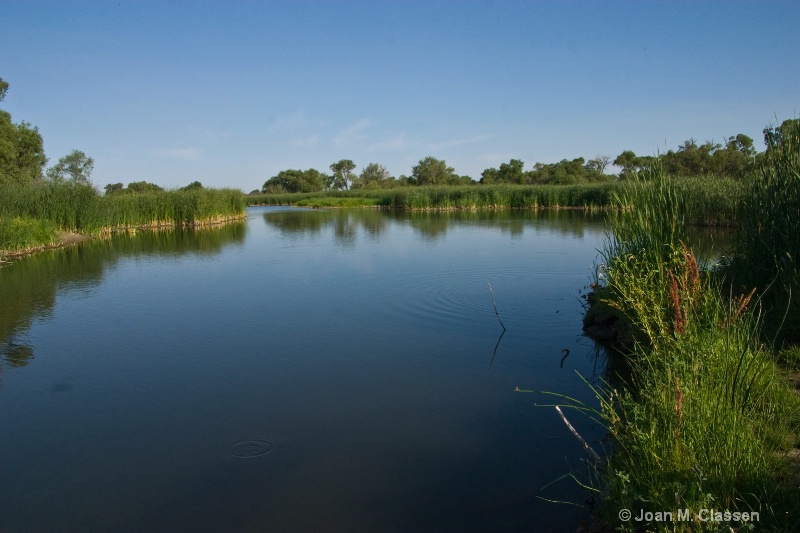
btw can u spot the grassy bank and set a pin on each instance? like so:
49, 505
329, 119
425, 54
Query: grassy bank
702, 418
31, 216
704, 200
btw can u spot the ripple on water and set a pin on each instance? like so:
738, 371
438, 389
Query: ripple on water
251, 448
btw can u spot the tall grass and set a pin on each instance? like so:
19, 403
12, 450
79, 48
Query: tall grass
768, 241
80, 208
704, 200
702, 421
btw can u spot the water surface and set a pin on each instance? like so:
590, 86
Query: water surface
309, 371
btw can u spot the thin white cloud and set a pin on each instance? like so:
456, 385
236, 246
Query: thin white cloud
458, 142
353, 133
307, 142
396, 143
187, 154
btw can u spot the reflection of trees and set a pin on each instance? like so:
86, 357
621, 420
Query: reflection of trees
345, 223
28, 287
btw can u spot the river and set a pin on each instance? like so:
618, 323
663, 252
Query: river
307, 370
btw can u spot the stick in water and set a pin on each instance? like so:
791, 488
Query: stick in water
577, 435
495, 307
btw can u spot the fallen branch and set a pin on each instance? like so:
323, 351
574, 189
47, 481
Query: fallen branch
577, 435
495, 307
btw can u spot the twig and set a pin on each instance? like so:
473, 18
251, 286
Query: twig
577, 435
495, 307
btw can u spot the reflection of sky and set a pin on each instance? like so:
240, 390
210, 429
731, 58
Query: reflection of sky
366, 365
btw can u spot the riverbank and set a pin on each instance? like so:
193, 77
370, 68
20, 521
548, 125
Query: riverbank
34, 217
706, 201
700, 399
64, 239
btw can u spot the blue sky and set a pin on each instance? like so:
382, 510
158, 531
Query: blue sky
230, 93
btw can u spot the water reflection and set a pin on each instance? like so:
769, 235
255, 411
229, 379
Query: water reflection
431, 225
29, 286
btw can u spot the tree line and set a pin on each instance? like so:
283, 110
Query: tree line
735, 158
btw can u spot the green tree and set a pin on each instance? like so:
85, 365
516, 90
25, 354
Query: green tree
114, 188
3, 89
432, 171
21, 148
775, 135
373, 176
75, 167
193, 185
310, 180
143, 186
511, 172
342, 174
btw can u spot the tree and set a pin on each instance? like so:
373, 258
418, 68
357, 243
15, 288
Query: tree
143, 186
599, 163
774, 135
511, 172
75, 167
193, 185
432, 171
373, 176
342, 174
114, 188
21, 148
310, 180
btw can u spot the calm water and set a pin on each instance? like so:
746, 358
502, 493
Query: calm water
308, 371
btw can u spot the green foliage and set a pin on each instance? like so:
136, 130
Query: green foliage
374, 176
432, 171
21, 152
75, 167
768, 239
76, 207
310, 180
701, 421
342, 174
20, 233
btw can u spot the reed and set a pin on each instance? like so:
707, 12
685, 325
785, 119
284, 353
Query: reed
80, 208
768, 237
701, 420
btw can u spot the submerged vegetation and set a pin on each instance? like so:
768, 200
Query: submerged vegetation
703, 418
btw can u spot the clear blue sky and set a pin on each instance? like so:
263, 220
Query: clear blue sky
229, 93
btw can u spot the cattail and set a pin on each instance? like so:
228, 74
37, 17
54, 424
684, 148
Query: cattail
677, 315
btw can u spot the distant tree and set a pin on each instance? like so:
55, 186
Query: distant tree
432, 171
342, 174
143, 186
511, 172
193, 185
774, 135
373, 176
21, 149
75, 167
599, 163
310, 180
114, 188
489, 176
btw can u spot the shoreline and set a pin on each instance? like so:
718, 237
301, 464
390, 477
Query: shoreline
71, 238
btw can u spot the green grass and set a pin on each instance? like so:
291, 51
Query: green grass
81, 209
701, 419
704, 200
25, 233
768, 238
